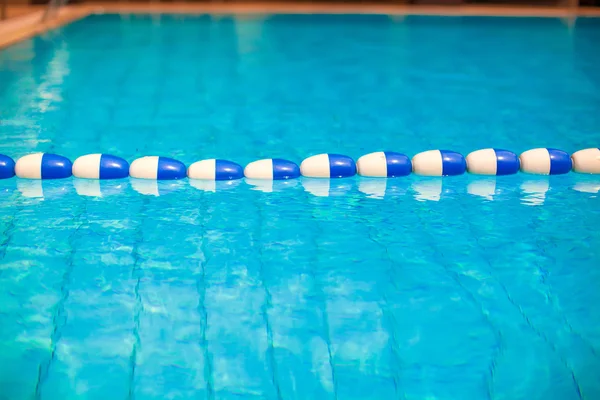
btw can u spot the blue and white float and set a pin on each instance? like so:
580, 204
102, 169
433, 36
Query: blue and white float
100, 166
384, 164
493, 162
158, 168
43, 166
272, 169
328, 166
439, 163
7, 167
544, 161
586, 161
215, 170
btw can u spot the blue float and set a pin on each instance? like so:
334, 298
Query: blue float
7, 167
100, 166
215, 170
328, 166
272, 169
545, 161
43, 166
157, 168
384, 164
493, 162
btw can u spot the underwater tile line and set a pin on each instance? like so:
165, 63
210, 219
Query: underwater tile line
389, 317
265, 307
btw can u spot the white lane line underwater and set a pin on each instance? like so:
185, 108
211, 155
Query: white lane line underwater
382, 164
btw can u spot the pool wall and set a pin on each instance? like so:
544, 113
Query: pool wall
17, 29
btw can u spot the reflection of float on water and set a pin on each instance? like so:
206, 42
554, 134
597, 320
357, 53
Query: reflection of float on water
534, 191
149, 187
213, 186
378, 188
587, 187
42, 189
98, 188
270, 186
373, 187
428, 189
485, 188
322, 187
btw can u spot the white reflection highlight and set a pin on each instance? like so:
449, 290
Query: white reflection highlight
270, 186
534, 191
30, 188
373, 187
378, 188
428, 189
50, 90
87, 187
587, 187
97, 187
149, 187
248, 32
213, 186
485, 187
41, 189
324, 187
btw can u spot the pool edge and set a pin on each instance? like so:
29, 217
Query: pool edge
21, 28
27, 26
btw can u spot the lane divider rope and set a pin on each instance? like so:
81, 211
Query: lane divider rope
383, 164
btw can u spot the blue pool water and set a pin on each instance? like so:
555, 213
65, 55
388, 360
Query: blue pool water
410, 288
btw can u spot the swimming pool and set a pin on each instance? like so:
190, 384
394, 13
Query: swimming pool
411, 288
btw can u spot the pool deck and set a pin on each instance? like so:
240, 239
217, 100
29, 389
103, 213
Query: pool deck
26, 20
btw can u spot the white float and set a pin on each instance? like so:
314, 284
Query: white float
586, 161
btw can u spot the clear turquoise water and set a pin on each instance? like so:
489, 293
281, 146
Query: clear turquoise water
410, 288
